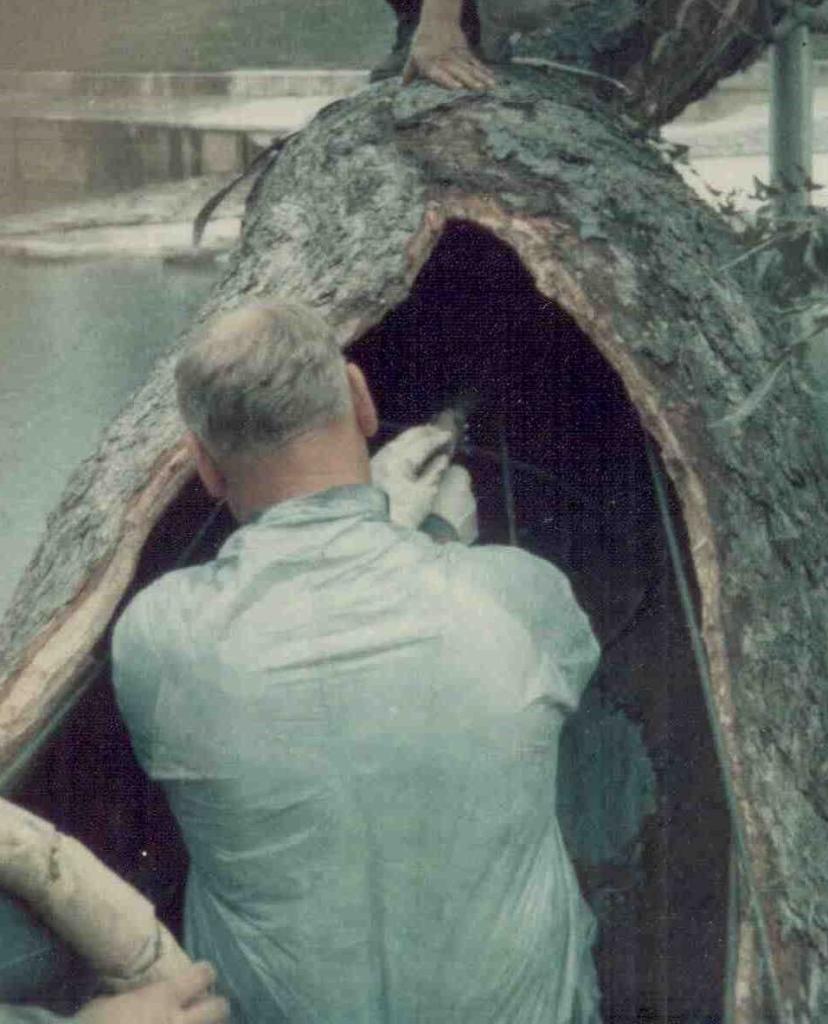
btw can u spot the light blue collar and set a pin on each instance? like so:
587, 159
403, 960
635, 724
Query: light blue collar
352, 500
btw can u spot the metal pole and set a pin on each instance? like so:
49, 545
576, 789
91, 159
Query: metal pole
791, 123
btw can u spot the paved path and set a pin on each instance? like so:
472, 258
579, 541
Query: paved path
154, 221
273, 116
744, 132
728, 152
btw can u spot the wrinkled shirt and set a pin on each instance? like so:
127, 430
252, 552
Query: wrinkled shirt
357, 730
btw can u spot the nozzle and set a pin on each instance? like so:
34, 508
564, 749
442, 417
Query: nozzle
455, 418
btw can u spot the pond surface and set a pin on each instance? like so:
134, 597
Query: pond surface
75, 340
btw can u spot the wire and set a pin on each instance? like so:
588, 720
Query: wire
508, 489
700, 657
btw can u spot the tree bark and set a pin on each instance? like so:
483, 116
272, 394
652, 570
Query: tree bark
667, 54
344, 221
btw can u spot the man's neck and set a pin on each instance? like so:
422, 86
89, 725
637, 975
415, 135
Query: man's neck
312, 463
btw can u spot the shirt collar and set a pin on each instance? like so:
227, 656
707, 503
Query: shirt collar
363, 501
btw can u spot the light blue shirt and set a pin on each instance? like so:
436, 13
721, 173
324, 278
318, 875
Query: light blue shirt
30, 1015
357, 730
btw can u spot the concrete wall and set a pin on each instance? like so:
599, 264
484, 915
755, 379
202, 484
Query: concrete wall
192, 35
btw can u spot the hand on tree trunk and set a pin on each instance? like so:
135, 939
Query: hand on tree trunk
440, 51
185, 999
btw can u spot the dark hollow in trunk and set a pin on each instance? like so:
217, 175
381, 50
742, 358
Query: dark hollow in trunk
584, 499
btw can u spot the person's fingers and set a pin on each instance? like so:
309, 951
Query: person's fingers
483, 72
215, 1010
456, 478
417, 443
432, 473
193, 983
469, 73
441, 75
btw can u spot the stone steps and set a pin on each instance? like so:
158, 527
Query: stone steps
64, 135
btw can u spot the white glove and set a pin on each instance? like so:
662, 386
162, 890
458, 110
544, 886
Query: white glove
455, 502
395, 466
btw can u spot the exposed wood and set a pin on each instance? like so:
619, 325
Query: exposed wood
344, 221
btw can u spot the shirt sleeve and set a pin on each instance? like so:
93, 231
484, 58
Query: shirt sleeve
176, 734
136, 678
540, 596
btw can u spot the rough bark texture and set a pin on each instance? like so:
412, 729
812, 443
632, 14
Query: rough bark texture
344, 221
668, 53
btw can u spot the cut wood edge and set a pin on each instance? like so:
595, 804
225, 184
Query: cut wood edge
49, 671
534, 240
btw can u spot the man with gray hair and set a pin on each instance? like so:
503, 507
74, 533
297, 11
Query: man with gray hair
357, 727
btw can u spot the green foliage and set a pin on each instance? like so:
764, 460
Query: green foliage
789, 253
788, 258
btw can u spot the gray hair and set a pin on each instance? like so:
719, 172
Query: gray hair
259, 376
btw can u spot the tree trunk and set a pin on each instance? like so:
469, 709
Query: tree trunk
633, 270
665, 53
668, 53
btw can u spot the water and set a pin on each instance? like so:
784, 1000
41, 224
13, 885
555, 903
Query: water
75, 341
193, 35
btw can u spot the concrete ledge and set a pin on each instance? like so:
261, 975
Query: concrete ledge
238, 84
757, 78
103, 143
172, 242
741, 129
262, 83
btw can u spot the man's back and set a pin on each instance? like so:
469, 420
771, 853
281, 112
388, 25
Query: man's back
357, 730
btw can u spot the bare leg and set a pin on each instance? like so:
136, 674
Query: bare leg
408, 17
441, 52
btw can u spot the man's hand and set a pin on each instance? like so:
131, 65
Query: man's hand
455, 502
440, 51
409, 469
185, 999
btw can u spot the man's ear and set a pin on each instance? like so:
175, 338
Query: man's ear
364, 409
211, 476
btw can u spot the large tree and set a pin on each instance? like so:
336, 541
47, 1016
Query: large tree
548, 197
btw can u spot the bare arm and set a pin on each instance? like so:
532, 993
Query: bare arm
440, 51
184, 999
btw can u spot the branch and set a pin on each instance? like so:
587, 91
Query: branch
814, 16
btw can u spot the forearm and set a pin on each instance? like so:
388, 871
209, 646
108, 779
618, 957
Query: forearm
99, 915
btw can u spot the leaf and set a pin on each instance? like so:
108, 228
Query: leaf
749, 406
750, 252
